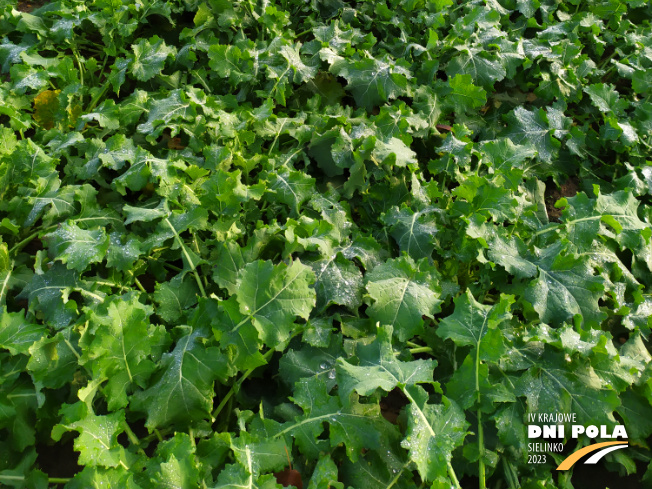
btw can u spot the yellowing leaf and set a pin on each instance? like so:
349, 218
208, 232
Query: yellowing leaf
46, 105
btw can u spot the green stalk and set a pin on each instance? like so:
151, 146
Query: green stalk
51, 480
451, 474
79, 64
58, 480
97, 97
397, 476
131, 435
451, 471
3, 287
140, 286
133, 439
236, 387
481, 468
194, 240
187, 255
17, 247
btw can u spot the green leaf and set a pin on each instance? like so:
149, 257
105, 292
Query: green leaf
124, 251
403, 291
149, 57
23, 475
434, 431
302, 72
553, 383
635, 411
378, 368
16, 334
107, 115
337, 281
504, 155
372, 81
235, 476
228, 263
54, 361
109, 478
413, 231
528, 7
394, 152
606, 99
458, 388
259, 456
357, 426
18, 412
565, 285
230, 62
486, 198
538, 128
586, 218
238, 335
175, 297
474, 61
225, 192
289, 187
176, 107
121, 349
428, 105
274, 296
309, 361
373, 472
471, 320
175, 464
465, 94
183, 394
76, 247
97, 442
49, 293
145, 214
325, 475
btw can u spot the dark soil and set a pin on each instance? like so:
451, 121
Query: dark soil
58, 459
568, 189
29, 5
391, 405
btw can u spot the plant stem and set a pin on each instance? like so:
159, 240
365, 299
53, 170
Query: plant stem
194, 240
451, 474
3, 288
397, 476
58, 480
140, 286
97, 97
17, 247
481, 468
187, 255
79, 64
132, 436
51, 480
236, 387
421, 349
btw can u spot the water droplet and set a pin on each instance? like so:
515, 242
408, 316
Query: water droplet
323, 366
331, 374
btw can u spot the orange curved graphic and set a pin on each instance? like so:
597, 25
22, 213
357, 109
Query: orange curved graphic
575, 456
